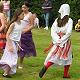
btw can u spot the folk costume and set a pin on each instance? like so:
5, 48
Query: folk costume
60, 50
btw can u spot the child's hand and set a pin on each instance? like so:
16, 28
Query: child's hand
58, 44
10, 48
46, 50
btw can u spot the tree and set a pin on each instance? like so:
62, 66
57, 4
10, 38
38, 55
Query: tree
36, 8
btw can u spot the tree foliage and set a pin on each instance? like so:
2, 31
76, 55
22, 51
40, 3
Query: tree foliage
36, 8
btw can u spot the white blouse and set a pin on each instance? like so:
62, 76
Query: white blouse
17, 30
67, 29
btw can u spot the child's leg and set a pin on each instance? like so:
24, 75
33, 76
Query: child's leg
48, 64
21, 62
43, 70
7, 70
66, 69
38, 23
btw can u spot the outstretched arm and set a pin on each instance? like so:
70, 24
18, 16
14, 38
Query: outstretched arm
9, 41
68, 32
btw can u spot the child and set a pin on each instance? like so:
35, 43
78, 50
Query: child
60, 52
27, 42
77, 27
8, 61
36, 21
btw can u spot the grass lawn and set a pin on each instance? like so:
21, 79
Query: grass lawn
33, 65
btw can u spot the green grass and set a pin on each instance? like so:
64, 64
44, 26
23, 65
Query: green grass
33, 65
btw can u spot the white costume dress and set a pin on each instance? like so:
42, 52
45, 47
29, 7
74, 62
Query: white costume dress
10, 58
60, 52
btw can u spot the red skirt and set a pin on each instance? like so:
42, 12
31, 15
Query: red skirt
2, 40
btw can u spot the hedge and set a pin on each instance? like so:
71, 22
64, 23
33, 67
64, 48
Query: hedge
36, 8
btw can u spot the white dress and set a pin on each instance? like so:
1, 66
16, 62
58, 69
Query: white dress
55, 55
10, 58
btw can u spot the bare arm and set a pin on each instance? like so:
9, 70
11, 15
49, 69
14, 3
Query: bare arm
2, 18
9, 41
9, 31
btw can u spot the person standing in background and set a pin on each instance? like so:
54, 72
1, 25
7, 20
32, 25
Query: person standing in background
46, 7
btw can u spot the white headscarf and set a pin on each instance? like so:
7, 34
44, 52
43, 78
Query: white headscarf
64, 10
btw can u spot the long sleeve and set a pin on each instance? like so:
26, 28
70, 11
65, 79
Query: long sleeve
68, 32
55, 37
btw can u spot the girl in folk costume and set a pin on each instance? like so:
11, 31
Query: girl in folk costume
2, 27
8, 61
27, 43
60, 52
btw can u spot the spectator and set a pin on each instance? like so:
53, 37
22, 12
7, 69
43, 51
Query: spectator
46, 7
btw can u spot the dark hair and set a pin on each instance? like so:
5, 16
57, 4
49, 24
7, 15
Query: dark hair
15, 16
1, 7
62, 22
26, 4
5, 0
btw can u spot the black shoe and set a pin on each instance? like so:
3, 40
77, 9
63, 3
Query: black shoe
42, 72
7, 76
67, 76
